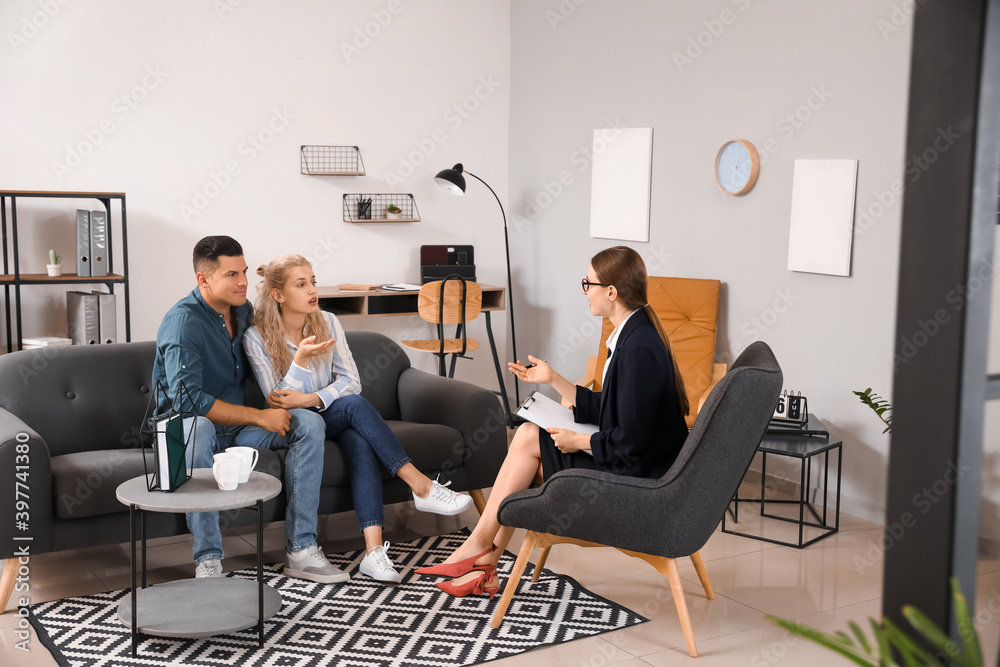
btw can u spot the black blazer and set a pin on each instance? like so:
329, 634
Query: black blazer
642, 429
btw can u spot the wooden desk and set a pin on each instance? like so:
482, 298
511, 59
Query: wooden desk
383, 302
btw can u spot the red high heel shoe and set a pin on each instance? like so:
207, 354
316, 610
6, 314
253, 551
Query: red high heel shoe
459, 568
473, 583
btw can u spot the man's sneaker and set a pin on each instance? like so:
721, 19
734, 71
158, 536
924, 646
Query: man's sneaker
208, 568
378, 566
312, 564
442, 501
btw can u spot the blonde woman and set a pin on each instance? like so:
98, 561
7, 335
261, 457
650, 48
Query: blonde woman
300, 357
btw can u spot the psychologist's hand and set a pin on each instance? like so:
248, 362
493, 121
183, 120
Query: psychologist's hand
275, 420
309, 348
541, 373
290, 399
567, 441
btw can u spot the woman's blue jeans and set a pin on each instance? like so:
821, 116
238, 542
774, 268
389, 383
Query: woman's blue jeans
365, 440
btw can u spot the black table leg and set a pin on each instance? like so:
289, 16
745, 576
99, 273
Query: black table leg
260, 573
131, 530
803, 496
496, 364
142, 534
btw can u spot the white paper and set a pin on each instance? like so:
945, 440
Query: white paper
542, 410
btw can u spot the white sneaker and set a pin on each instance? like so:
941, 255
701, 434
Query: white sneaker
378, 566
208, 568
442, 501
312, 564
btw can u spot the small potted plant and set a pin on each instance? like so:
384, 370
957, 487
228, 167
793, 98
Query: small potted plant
54, 266
393, 212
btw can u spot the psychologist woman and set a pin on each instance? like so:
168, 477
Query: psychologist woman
300, 358
640, 412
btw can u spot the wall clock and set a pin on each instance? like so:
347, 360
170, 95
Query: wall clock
736, 167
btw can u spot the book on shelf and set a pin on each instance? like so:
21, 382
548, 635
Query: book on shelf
98, 243
83, 318
107, 328
44, 341
356, 287
171, 465
82, 242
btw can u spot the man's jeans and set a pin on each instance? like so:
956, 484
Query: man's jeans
303, 475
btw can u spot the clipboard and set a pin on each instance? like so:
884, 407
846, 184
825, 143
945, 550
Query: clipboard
541, 410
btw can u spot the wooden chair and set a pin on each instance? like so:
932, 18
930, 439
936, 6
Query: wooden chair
449, 301
657, 520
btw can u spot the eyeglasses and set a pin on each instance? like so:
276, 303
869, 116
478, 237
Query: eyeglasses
586, 284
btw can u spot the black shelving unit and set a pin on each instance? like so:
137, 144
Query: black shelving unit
16, 279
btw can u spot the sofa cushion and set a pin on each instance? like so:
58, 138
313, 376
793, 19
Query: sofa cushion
428, 445
84, 484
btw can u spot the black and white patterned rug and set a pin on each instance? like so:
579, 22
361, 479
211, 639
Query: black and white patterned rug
360, 622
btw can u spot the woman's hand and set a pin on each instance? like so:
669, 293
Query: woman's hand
308, 348
540, 373
290, 399
567, 441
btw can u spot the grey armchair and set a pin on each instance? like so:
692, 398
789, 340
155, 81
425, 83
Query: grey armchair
657, 520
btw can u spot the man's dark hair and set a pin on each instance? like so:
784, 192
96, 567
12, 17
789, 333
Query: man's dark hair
208, 250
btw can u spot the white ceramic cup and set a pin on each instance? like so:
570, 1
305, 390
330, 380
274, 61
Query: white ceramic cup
226, 470
249, 457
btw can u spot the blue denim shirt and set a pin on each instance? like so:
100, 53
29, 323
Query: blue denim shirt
193, 345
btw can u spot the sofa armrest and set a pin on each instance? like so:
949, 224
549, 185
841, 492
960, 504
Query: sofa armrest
25, 476
474, 412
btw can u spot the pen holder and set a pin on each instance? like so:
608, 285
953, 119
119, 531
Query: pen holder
365, 210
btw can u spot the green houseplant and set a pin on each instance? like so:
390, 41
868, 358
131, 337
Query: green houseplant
878, 404
54, 267
393, 212
923, 644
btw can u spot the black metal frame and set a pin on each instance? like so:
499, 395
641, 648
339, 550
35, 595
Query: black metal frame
148, 431
803, 501
136, 512
16, 281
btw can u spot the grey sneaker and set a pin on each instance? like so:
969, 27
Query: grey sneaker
378, 566
312, 564
208, 568
442, 501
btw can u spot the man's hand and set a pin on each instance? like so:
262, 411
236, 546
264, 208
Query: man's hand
567, 441
290, 399
276, 420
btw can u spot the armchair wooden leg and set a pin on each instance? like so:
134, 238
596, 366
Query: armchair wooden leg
542, 556
7, 582
699, 567
677, 590
530, 540
479, 500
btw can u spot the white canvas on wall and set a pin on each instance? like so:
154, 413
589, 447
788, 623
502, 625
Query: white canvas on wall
822, 221
619, 195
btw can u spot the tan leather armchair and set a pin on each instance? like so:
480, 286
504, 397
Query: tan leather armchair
689, 311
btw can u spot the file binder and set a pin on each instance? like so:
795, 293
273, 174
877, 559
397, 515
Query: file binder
107, 327
98, 243
83, 318
82, 242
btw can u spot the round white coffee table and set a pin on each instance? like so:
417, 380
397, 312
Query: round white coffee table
197, 607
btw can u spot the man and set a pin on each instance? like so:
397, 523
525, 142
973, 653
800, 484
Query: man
200, 344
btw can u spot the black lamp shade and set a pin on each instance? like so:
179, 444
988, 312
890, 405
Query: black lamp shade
452, 180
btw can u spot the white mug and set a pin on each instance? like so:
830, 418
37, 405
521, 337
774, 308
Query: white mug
226, 470
249, 457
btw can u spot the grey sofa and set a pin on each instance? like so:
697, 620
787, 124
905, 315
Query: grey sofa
73, 415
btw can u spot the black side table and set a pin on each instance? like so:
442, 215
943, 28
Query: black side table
802, 444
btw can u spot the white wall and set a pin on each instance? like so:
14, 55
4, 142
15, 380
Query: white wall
577, 66
417, 85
